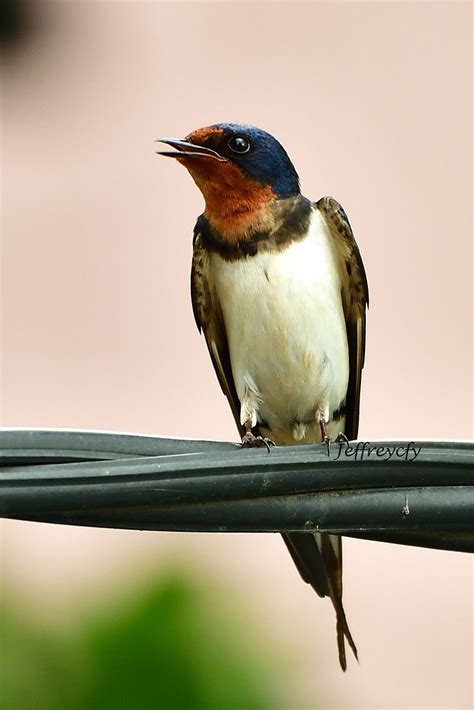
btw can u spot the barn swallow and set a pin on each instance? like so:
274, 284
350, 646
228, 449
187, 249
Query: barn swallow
279, 291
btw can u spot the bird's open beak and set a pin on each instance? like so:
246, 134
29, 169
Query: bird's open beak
188, 150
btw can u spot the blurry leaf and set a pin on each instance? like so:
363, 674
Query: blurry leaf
166, 650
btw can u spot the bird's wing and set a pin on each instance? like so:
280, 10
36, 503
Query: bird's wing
318, 557
355, 300
209, 320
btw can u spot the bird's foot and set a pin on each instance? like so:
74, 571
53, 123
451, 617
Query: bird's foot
340, 439
250, 441
327, 442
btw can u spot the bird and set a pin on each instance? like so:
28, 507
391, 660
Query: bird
280, 293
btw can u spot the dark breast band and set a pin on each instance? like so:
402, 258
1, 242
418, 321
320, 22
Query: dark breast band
291, 218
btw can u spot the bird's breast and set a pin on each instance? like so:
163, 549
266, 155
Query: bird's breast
285, 326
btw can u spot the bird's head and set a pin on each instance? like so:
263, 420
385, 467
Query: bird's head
241, 171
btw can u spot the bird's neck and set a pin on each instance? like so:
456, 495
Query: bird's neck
236, 206
236, 221
237, 214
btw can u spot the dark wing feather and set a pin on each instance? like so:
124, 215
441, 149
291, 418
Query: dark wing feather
209, 320
355, 300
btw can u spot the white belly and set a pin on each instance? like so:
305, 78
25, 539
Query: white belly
286, 332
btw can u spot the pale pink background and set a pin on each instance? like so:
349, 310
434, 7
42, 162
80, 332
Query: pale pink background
372, 101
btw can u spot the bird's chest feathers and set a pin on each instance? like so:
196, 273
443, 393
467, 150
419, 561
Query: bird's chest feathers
284, 321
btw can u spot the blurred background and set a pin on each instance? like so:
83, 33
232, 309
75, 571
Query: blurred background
372, 102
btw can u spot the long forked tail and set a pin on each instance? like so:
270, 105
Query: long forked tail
318, 558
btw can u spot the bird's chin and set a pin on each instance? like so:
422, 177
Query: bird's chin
206, 173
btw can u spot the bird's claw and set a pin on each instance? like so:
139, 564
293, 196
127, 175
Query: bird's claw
340, 439
327, 441
250, 441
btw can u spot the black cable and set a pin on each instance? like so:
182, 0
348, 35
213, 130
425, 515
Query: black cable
422, 495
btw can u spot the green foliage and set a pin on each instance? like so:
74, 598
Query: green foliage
169, 649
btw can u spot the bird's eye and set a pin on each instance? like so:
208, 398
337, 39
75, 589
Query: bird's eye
239, 144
